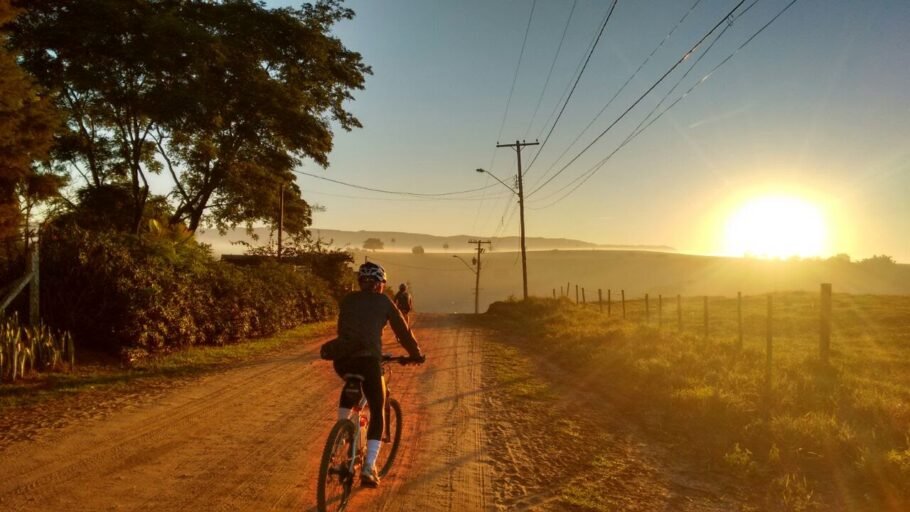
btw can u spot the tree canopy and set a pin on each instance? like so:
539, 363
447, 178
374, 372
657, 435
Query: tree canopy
373, 244
225, 97
27, 123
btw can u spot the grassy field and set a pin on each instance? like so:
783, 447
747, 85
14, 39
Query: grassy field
817, 437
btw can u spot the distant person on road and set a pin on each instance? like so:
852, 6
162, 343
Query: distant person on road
362, 317
404, 301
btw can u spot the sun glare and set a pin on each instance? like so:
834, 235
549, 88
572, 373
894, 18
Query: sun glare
776, 227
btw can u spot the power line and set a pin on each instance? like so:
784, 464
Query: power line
694, 65
395, 192
620, 90
600, 164
517, 68
391, 264
577, 79
569, 82
636, 102
644, 120
408, 199
552, 65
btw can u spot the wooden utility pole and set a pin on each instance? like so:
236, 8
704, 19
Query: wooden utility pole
477, 273
521, 210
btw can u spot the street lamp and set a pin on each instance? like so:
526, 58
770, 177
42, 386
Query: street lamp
521, 207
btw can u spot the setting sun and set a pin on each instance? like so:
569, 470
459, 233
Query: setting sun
776, 227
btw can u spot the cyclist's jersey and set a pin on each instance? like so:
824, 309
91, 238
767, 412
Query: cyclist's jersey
363, 316
403, 301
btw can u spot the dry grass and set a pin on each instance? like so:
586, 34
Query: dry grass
822, 436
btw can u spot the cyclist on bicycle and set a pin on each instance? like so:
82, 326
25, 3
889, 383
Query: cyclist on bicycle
362, 317
405, 301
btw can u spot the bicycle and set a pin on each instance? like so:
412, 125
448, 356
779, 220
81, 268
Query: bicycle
345, 448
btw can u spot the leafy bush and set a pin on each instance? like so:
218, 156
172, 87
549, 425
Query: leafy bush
115, 290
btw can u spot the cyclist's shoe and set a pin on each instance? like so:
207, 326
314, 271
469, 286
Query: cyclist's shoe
369, 477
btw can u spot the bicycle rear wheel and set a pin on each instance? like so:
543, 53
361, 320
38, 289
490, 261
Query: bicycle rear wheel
336, 469
391, 438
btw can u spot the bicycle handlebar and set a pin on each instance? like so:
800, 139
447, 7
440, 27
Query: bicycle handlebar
389, 358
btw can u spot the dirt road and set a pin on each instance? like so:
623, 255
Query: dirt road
249, 439
487, 426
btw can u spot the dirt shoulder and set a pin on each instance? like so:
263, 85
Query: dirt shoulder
555, 443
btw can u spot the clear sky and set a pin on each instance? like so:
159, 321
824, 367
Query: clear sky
817, 107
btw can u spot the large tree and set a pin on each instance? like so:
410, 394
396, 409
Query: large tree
27, 122
227, 97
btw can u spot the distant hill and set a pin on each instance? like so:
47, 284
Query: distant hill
397, 241
442, 283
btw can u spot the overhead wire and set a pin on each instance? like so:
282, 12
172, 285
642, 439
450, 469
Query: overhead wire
635, 134
644, 120
408, 199
394, 192
695, 64
571, 92
619, 91
636, 102
552, 65
524, 42
508, 103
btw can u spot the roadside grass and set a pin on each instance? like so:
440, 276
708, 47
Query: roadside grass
106, 375
833, 436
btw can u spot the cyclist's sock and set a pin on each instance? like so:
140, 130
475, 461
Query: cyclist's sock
373, 446
343, 413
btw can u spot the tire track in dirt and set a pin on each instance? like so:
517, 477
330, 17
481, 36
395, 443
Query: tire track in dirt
249, 438
134, 445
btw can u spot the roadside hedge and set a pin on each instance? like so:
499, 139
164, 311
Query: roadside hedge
114, 290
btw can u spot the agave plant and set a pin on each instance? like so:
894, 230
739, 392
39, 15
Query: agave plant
26, 349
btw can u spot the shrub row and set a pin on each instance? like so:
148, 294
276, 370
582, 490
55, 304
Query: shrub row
114, 290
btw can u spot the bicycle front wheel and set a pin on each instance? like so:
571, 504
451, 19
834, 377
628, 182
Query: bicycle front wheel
336, 470
391, 437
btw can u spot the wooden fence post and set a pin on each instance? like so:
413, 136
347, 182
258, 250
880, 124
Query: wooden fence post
679, 312
647, 310
825, 328
660, 311
707, 333
560, 291
600, 300
609, 302
554, 293
567, 288
576, 294
623, 292
584, 301
739, 319
769, 329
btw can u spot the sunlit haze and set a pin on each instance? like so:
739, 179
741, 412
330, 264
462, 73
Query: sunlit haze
818, 101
